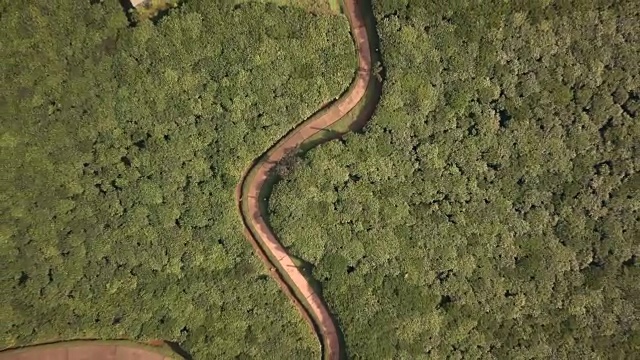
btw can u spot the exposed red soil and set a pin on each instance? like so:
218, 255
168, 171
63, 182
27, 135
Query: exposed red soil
155, 342
83, 351
249, 192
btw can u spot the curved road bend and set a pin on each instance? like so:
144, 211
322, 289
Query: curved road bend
88, 350
249, 190
257, 231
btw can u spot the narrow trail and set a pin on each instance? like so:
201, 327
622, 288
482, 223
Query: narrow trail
251, 197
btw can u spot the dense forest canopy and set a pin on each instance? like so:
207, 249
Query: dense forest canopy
313, 6
120, 148
491, 207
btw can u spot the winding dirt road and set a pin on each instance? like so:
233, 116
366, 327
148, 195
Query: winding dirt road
250, 194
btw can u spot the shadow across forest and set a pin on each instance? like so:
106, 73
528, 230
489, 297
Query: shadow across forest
129, 12
175, 347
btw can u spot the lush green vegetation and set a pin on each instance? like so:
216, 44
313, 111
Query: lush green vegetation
313, 6
491, 209
120, 148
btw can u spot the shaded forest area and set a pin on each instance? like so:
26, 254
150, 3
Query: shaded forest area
491, 208
120, 149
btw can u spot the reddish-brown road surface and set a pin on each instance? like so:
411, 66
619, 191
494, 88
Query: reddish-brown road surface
86, 351
248, 194
265, 243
